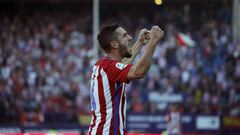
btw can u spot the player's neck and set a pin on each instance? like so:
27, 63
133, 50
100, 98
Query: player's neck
115, 56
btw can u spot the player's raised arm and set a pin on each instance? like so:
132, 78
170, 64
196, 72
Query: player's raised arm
143, 38
142, 66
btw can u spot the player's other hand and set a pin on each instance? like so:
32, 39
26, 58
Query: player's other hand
144, 36
156, 34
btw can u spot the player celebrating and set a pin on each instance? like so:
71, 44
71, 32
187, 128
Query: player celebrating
111, 74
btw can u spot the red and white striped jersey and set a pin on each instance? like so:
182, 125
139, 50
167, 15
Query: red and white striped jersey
108, 98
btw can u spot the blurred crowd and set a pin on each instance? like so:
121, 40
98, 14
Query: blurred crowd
46, 60
45, 66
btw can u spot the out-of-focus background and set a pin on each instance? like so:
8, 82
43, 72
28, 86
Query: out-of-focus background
47, 50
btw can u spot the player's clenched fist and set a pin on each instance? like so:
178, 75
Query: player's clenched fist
156, 33
144, 36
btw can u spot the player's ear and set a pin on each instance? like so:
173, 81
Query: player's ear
114, 44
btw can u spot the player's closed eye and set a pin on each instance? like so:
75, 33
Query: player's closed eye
125, 34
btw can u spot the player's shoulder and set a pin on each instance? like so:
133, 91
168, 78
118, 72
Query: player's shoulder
108, 63
105, 62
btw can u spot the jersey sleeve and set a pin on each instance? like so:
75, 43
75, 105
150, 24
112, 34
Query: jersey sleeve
117, 71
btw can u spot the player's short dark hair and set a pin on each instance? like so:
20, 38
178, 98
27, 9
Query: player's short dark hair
106, 35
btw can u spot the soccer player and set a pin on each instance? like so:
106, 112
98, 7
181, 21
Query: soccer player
111, 74
173, 121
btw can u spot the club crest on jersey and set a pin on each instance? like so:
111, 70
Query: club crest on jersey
120, 66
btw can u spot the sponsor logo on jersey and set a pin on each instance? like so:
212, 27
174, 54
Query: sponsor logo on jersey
120, 66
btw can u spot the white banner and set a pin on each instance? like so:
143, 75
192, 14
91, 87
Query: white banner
207, 122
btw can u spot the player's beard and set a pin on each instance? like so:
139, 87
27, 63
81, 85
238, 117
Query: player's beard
125, 51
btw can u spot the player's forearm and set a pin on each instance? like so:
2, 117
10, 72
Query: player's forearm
135, 50
145, 61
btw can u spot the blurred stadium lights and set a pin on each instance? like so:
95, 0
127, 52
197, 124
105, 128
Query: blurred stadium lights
158, 2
